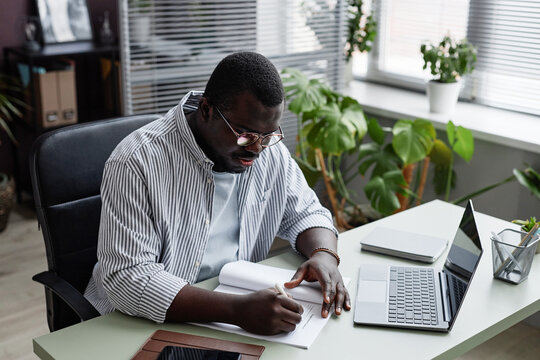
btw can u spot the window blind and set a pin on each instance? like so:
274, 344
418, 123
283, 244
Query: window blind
507, 33
169, 47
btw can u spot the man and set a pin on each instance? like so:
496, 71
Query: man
209, 183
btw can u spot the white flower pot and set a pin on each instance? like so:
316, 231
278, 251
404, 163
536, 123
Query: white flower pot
442, 96
140, 29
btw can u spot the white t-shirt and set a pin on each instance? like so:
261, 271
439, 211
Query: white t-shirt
224, 226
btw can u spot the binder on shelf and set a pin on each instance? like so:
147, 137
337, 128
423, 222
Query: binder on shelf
55, 92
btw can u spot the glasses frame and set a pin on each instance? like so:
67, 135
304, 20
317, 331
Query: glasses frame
248, 134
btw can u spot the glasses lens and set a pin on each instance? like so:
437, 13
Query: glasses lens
246, 139
270, 140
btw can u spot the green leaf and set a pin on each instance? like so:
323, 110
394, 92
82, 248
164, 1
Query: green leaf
354, 115
440, 153
381, 191
306, 94
464, 145
6, 128
413, 140
375, 131
335, 132
384, 159
451, 133
311, 173
530, 179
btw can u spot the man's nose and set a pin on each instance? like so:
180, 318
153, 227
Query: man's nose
256, 147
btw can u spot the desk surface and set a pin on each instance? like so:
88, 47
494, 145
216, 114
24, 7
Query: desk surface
491, 306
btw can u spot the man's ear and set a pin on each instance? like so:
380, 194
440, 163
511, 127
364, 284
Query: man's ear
205, 108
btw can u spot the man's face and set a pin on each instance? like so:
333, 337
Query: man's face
246, 114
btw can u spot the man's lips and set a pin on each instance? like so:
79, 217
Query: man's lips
247, 161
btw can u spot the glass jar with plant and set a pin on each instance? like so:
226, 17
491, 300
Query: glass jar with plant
448, 62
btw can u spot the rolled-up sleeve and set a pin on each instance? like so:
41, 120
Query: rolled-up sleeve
303, 209
129, 247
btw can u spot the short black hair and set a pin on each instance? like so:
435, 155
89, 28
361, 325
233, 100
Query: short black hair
244, 71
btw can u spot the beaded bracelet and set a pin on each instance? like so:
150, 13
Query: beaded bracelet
326, 250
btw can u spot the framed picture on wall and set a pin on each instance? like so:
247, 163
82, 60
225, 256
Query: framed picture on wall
64, 21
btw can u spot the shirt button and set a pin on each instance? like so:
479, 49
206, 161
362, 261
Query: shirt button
197, 264
207, 221
209, 180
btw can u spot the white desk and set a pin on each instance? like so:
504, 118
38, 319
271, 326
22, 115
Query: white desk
491, 306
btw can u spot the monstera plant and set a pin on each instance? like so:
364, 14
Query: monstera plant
337, 143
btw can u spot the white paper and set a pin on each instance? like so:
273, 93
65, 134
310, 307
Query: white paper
242, 277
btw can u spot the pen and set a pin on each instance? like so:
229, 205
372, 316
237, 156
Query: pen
280, 289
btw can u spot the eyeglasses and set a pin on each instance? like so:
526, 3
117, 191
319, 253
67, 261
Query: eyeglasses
248, 138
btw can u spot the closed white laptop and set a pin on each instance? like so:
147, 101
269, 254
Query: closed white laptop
420, 297
404, 244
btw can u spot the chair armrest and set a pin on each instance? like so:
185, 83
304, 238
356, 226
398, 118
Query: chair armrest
71, 296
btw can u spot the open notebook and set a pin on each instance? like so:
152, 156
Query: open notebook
242, 277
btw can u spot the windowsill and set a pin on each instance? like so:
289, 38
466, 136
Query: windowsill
503, 127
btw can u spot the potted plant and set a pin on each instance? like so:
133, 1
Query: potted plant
361, 31
448, 62
527, 225
337, 143
332, 128
8, 111
329, 126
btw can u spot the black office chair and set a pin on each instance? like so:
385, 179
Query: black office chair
66, 166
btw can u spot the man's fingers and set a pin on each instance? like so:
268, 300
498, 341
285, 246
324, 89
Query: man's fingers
325, 310
347, 304
340, 297
292, 305
328, 287
296, 279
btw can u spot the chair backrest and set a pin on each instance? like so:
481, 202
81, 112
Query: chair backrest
66, 167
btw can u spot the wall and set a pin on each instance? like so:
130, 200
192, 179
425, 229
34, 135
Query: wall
12, 13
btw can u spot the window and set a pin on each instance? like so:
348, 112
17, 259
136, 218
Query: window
506, 32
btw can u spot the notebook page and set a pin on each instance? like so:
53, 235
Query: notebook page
255, 277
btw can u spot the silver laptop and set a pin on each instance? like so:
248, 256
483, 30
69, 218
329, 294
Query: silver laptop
420, 297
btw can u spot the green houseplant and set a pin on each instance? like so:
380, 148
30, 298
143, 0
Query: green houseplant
329, 126
448, 62
337, 143
332, 130
9, 110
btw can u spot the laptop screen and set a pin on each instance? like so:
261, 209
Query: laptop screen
462, 261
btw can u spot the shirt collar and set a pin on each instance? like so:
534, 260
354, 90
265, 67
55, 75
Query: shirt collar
188, 104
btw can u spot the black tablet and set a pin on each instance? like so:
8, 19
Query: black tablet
187, 353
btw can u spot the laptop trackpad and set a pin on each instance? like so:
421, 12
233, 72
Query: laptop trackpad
371, 291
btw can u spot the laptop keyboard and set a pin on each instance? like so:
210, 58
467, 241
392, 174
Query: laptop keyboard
412, 296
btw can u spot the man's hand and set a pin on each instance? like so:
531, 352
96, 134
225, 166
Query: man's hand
322, 267
264, 312
267, 312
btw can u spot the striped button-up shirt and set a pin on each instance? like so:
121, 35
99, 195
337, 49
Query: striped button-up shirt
157, 194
